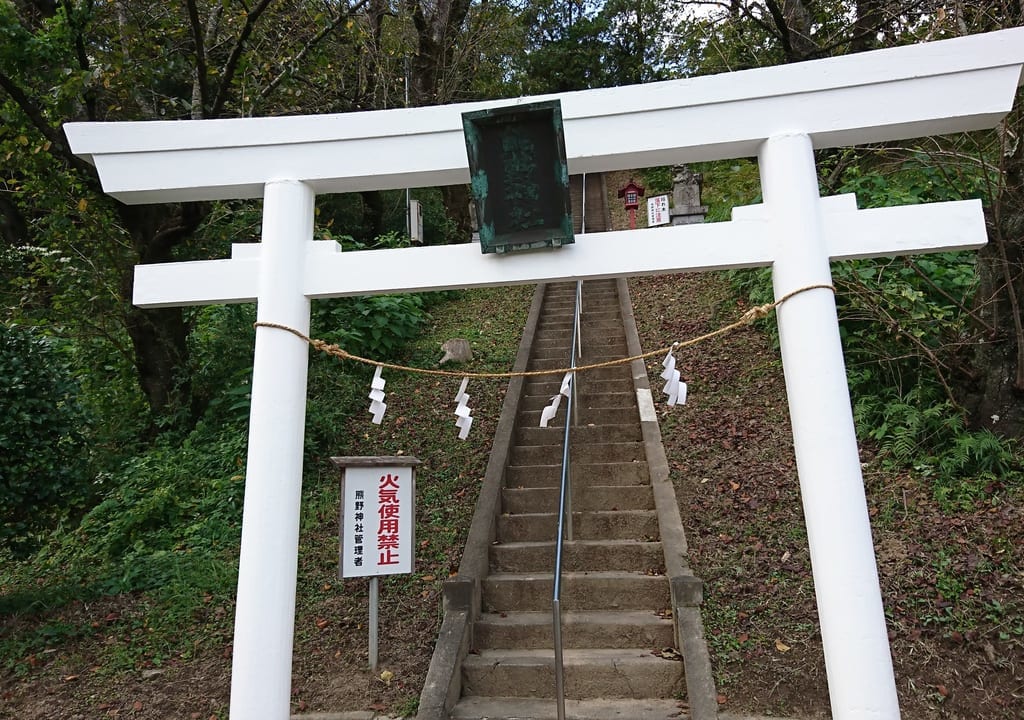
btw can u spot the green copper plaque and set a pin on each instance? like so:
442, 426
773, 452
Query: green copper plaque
519, 176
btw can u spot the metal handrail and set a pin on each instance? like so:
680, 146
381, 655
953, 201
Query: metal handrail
564, 513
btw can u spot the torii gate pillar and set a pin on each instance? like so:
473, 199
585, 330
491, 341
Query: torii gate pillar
265, 609
853, 633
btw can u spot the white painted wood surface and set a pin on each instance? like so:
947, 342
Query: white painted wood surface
744, 242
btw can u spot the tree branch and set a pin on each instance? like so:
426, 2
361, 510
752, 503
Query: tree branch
887, 318
200, 50
924, 276
231, 67
80, 54
775, 10
38, 120
289, 65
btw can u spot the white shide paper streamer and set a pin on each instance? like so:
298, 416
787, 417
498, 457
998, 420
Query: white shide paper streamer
675, 389
551, 410
464, 421
377, 404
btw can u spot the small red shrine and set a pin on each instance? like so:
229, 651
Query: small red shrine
631, 195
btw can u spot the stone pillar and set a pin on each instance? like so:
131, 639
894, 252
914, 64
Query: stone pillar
686, 186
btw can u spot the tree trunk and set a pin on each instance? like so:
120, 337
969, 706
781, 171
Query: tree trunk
456, 203
13, 228
373, 212
864, 33
998, 400
160, 335
433, 81
793, 22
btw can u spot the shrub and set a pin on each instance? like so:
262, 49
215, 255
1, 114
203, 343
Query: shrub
43, 458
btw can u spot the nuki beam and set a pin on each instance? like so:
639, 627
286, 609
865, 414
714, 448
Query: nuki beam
779, 114
850, 233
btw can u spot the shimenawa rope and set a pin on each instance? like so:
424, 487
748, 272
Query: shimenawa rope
749, 317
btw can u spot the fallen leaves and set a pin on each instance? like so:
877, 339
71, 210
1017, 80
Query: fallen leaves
668, 653
781, 646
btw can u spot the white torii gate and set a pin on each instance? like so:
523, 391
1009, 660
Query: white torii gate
778, 114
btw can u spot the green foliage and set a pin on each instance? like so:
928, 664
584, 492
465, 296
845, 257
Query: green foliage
657, 180
591, 44
222, 341
167, 527
167, 511
880, 180
728, 183
905, 325
44, 473
371, 326
921, 430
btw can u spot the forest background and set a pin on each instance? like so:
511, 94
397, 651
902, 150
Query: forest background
122, 429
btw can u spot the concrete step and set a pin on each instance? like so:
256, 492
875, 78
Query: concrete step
596, 329
601, 374
580, 434
605, 673
556, 323
511, 708
577, 555
604, 312
612, 343
632, 497
596, 525
581, 591
562, 363
584, 401
597, 386
562, 342
593, 324
588, 400
552, 351
532, 630
584, 475
584, 416
550, 384
612, 452
554, 335
602, 353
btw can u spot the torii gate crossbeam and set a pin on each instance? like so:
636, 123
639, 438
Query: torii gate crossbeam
778, 114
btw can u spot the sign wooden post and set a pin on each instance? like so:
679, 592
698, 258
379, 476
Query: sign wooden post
781, 115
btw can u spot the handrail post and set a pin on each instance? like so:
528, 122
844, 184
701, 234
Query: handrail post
564, 516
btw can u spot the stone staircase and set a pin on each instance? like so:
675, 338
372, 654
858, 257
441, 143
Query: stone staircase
597, 217
616, 600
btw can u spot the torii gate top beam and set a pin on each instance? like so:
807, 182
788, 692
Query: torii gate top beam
967, 83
